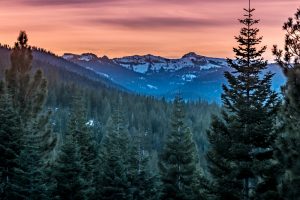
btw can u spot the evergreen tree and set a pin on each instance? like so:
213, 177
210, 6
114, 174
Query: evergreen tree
288, 148
68, 171
32, 175
28, 95
10, 149
178, 162
240, 155
114, 160
86, 142
143, 182
35, 165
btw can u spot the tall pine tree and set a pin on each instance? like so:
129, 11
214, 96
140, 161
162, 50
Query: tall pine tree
28, 94
143, 181
178, 162
85, 141
240, 155
34, 176
10, 142
114, 158
68, 171
288, 148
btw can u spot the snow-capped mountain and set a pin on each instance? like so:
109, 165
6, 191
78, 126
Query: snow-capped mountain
195, 76
155, 64
83, 57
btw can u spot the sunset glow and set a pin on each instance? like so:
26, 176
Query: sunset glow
117, 28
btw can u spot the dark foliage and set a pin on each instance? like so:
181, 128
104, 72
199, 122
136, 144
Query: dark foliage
242, 140
178, 162
288, 149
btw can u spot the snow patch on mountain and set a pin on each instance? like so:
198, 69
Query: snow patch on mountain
103, 74
88, 57
188, 77
141, 68
90, 123
99, 73
152, 87
83, 57
68, 56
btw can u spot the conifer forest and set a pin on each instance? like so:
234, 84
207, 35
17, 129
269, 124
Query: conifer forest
68, 133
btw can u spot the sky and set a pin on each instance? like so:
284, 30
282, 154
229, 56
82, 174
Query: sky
118, 28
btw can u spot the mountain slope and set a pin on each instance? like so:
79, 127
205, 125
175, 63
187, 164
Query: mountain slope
64, 70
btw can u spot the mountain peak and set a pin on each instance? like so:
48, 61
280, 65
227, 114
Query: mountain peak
88, 57
105, 58
69, 56
83, 57
192, 55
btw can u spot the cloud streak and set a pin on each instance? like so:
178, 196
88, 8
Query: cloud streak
147, 2
67, 2
157, 22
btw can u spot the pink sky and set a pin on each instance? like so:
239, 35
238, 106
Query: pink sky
117, 28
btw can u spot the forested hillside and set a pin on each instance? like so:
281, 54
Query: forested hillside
144, 115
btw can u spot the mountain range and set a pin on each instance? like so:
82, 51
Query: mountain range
194, 76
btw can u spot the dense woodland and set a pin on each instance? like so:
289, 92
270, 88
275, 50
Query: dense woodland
63, 136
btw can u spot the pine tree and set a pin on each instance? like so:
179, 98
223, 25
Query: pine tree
28, 95
178, 162
241, 150
31, 175
143, 182
114, 160
86, 142
10, 148
288, 149
68, 171
34, 177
